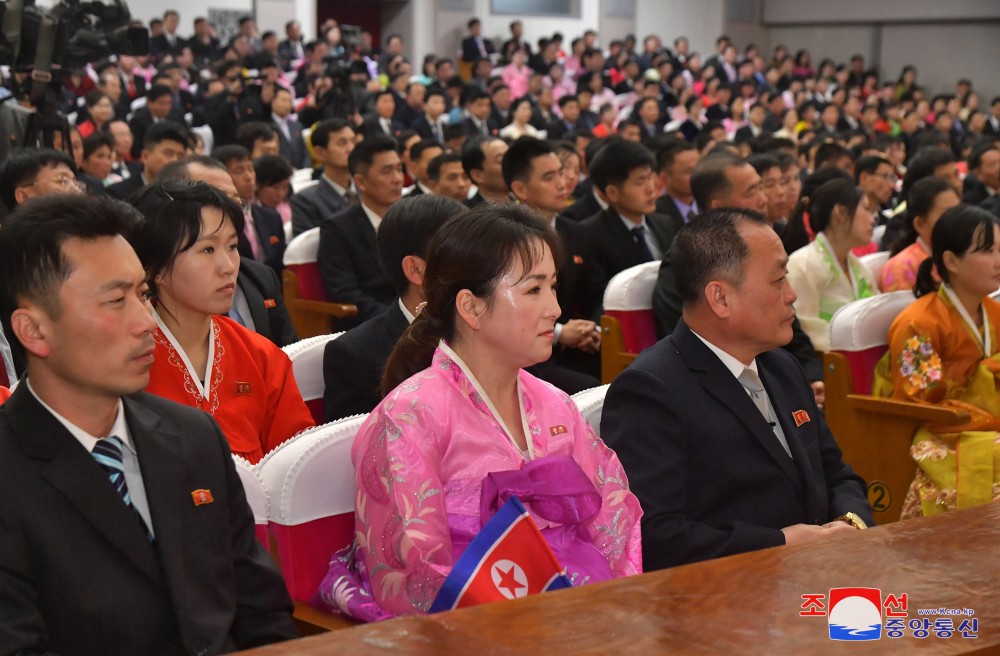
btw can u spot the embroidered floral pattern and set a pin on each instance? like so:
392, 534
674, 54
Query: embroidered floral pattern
919, 365
211, 403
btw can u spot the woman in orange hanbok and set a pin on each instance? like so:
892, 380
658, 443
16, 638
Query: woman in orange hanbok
204, 359
944, 349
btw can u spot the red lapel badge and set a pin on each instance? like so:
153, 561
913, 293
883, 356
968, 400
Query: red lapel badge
201, 497
243, 389
577, 259
800, 417
273, 239
557, 430
269, 303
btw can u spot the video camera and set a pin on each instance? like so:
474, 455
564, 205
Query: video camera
49, 41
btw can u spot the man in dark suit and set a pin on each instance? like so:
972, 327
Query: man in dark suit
290, 143
482, 160
163, 143
477, 104
159, 108
475, 46
383, 123
984, 164
715, 425
258, 303
353, 363
421, 155
348, 255
291, 48
169, 42
123, 523
719, 181
533, 171
569, 106
675, 162
430, 124
263, 237
333, 141
628, 232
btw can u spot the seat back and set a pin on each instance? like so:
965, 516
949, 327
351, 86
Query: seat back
300, 259
858, 330
307, 367
253, 486
875, 263
591, 404
310, 485
629, 298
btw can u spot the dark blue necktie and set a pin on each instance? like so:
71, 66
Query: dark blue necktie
639, 234
108, 454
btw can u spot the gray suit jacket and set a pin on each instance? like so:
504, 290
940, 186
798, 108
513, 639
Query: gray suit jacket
310, 207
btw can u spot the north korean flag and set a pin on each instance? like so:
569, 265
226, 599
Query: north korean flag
508, 559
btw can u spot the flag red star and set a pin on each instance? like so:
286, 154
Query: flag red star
508, 581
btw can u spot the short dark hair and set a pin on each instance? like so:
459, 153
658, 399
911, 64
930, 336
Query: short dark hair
417, 149
869, 164
247, 134
518, 161
320, 136
710, 248
830, 152
22, 166
166, 131
32, 264
471, 93
763, 162
95, 141
568, 98
976, 158
172, 211
364, 153
271, 170
434, 168
669, 151
709, 180
230, 153
435, 91
157, 91
407, 229
923, 164
473, 155
615, 162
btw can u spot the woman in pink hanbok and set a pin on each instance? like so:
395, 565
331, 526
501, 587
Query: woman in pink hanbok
464, 426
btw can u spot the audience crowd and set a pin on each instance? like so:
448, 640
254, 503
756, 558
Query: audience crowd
473, 210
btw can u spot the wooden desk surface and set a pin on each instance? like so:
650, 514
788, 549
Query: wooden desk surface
743, 604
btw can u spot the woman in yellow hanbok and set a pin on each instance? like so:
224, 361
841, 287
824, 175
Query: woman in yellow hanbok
944, 349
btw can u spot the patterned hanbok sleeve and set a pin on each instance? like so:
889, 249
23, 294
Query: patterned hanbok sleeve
615, 530
915, 362
401, 525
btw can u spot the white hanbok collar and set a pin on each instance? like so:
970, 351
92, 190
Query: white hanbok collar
198, 381
530, 455
982, 338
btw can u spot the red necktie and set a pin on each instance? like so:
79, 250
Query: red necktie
4, 376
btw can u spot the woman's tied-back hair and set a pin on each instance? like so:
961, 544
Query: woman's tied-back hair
172, 224
473, 251
959, 229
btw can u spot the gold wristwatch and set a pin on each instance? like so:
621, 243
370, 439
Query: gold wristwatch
853, 520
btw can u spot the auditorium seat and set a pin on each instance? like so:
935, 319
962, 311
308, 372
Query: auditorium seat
305, 296
253, 486
591, 405
628, 325
307, 367
875, 263
310, 487
875, 434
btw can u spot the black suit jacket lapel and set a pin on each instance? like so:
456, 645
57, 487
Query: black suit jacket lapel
163, 475
629, 253
77, 476
364, 227
720, 383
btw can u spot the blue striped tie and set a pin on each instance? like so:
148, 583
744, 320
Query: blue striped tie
108, 454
